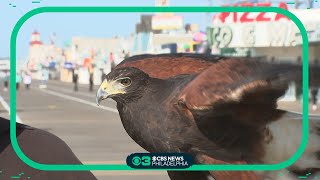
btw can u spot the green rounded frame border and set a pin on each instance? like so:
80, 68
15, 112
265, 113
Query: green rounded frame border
86, 167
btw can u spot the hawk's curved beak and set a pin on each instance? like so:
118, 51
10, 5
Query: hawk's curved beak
102, 92
108, 89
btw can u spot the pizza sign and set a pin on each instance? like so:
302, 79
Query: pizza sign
244, 17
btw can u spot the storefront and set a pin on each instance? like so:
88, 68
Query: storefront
165, 33
265, 34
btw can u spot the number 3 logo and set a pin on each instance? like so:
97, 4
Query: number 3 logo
146, 160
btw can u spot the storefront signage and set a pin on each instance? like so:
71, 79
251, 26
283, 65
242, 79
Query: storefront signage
232, 33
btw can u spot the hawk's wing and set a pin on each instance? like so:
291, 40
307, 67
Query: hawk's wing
233, 100
249, 85
230, 175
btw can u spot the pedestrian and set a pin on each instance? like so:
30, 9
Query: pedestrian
314, 98
18, 81
117, 58
299, 60
123, 55
127, 55
6, 81
27, 79
273, 59
90, 78
75, 77
102, 75
111, 59
44, 78
298, 85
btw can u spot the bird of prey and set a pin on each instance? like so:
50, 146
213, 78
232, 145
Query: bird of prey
40, 146
221, 110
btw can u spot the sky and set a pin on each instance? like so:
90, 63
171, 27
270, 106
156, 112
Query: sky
66, 25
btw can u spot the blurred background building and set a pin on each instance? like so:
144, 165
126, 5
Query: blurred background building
268, 35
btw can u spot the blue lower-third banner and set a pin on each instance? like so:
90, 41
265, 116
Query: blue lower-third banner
159, 160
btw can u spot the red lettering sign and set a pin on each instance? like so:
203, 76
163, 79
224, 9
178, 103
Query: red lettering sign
280, 16
223, 16
261, 17
244, 17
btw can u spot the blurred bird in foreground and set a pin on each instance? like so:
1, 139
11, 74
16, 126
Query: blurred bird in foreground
41, 147
222, 110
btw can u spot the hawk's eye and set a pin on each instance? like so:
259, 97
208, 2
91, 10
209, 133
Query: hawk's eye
126, 82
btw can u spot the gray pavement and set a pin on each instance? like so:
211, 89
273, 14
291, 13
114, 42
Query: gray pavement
95, 134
